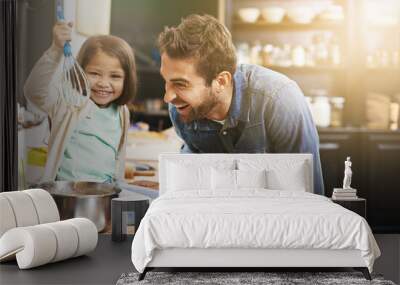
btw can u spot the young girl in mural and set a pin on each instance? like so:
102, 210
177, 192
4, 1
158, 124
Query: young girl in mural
88, 134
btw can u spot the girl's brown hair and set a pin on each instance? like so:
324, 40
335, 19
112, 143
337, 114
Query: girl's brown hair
116, 47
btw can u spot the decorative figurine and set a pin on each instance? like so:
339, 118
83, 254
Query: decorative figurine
347, 174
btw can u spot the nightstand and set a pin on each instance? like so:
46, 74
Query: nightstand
357, 205
123, 211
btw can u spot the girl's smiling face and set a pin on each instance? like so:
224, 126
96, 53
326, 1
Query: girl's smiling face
106, 78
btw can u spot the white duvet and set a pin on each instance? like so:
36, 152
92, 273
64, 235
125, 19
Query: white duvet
254, 218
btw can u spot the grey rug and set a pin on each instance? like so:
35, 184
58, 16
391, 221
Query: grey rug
273, 278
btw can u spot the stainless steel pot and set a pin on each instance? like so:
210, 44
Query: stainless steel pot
91, 200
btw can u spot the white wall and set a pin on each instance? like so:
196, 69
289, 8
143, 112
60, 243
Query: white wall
94, 18
70, 16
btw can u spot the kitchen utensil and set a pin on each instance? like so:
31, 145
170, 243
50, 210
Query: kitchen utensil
249, 15
73, 78
144, 183
90, 200
144, 173
138, 169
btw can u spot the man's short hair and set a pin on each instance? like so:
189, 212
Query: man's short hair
204, 38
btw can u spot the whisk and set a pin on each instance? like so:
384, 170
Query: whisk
73, 77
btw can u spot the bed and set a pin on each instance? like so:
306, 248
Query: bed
247, 210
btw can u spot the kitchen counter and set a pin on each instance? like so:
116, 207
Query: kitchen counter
102, 266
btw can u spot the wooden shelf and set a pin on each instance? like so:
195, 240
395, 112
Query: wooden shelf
287, 25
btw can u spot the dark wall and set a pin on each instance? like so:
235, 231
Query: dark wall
35, 20
8, 102
140, 22
376, 164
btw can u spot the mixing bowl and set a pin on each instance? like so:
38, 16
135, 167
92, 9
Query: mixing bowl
249, 15
90, 200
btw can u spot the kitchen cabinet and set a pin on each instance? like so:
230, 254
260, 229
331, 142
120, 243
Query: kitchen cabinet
35, 20
382, 179
376, 166
335, 146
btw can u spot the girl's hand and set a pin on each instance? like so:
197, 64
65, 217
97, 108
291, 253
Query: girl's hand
61, 33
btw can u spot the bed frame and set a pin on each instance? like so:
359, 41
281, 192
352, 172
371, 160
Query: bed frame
242, 259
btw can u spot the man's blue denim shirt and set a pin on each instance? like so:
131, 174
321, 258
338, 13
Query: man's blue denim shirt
268, 114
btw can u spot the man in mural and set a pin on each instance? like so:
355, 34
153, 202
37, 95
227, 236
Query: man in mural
219, 107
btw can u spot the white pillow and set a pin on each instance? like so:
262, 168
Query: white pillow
226, 179
294, 178
183, 177
251, 178
223, 179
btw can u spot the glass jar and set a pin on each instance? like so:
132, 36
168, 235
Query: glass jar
335, 55
267, 55
243, 53
255, 53
396, 59
321, 56
394, 116
321, 111
385, 58
285, 58
337, 106
310, 51
298, 56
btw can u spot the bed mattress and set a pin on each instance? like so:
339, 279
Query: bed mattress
250, 219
